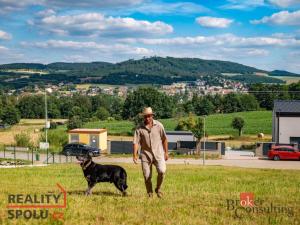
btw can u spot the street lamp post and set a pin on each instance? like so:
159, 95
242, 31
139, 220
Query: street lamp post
204, 140
49, 90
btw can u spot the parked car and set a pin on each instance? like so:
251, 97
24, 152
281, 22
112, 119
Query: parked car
283, 152
4, 126
75, 149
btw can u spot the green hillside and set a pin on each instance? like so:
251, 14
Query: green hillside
154, 70
283, 73
217, 124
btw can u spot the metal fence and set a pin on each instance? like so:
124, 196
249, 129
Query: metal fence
33, 156
19, 155
125, 147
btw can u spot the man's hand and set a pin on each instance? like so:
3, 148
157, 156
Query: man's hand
135, 153
135, 158
166, 156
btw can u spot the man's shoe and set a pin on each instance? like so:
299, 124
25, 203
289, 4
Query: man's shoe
159, 193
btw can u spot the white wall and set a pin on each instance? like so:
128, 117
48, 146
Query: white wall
175, 138
288, 127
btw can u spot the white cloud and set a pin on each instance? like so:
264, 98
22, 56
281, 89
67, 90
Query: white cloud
229, 40
96, 24
9, 55
257, 52
281, 18
243, 4
3, 49
252, 4
75, 45
207, 21
170, 8
46, 12
77, 58
7, 6
91, 3
284, 3
4, 35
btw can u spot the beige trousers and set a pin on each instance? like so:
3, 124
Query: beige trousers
147, 161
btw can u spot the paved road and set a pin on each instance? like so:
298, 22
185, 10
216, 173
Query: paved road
254, 162
235, 161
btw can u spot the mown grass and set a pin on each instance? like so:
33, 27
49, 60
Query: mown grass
216, 124
193, 195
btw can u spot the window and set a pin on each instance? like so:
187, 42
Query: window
74, 137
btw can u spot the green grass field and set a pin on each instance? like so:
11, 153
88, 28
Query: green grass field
193, 195
217, 124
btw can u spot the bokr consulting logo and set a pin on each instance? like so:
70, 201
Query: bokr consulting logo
37, 206
247, 205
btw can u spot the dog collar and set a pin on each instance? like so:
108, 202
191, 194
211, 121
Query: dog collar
87, 165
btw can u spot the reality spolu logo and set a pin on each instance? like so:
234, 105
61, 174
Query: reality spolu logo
37, 206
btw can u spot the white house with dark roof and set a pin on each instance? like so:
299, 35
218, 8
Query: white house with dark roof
286, 121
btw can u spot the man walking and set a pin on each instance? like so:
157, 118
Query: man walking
151, 137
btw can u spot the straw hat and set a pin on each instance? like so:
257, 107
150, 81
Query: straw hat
147, 111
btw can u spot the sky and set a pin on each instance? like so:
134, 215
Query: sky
260, 33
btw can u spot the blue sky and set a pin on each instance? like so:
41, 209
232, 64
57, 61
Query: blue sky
260, 33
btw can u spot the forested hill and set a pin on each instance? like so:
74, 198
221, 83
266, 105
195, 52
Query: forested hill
283, 73
154, 70
183, 66
168, 66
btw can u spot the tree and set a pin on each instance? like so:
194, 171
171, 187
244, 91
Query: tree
204, 106
56, 138
266, 94
196, 127
186, 124
198, 132
85, 105
181, 125
248, 102
76, 111
231, 103
102, 113
294, 89
217, 102
32, 107
10, 115
162, 104
23, 140
238, 123
74, 122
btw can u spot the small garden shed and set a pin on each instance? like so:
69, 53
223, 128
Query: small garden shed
93, 137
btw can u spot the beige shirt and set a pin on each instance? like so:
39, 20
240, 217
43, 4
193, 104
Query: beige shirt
150, 140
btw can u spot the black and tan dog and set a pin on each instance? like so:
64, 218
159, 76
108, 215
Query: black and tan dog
95, 173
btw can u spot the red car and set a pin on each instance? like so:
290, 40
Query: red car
283, 152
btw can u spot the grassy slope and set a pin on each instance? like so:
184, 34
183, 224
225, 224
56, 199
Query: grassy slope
193, 195
217, 124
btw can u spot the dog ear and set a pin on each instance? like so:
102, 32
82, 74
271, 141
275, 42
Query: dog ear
89, 157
